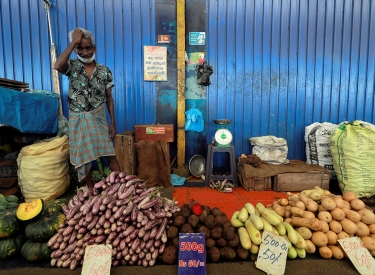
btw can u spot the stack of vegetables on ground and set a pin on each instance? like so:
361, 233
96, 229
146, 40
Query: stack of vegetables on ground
312, 221
222, 240
25, 228
40, 221
10, 240
120, 211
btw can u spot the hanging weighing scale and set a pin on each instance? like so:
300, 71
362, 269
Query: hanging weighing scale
223, 136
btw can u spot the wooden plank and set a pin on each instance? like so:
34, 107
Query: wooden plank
125, 153
119, 151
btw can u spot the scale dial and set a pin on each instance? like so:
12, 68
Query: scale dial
223, 136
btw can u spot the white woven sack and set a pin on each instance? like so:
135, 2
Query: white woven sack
317, 138
270, 149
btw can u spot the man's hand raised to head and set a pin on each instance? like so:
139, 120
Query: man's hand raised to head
77, 36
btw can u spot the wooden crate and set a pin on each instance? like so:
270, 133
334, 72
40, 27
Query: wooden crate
125, 153
256, 184
301, 181
154, 132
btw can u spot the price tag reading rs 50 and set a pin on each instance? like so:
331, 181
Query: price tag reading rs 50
272, 254
192, 254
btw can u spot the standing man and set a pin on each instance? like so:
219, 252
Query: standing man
90, 89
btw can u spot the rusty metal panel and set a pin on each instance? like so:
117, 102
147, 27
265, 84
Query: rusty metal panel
281, 65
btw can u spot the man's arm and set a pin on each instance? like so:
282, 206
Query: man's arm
61, 63
111, 111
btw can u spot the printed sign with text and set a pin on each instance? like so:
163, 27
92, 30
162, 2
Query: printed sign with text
192, 254
155, 63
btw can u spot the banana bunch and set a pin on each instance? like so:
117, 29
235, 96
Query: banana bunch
101, 173
252, 221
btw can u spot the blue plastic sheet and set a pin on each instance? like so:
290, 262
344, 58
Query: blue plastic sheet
29, 112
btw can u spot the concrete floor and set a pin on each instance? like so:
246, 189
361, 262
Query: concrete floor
293, 267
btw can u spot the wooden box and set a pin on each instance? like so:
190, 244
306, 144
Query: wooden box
8, 168
256, 184
301, 181
125, 153
154, 132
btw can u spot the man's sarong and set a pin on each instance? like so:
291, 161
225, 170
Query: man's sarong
88, 139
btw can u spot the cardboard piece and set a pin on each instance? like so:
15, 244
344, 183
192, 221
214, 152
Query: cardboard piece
272, 254
358, 255
97, 260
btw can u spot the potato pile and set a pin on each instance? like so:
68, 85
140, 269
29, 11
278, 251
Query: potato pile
222, 240
311, 221
322, 218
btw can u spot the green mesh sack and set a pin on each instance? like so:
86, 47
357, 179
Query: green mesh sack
353, 153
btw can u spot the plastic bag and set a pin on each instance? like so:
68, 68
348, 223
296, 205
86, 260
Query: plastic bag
194, 120
203, 74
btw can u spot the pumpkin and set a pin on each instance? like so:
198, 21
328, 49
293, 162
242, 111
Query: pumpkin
51, 207
10, 246
29, 211
36, 251
8, 223
44, 227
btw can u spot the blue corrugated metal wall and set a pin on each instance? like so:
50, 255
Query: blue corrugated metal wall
280, 65
120, 28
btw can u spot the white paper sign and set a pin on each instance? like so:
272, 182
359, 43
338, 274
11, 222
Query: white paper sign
272, 254
97, 260
155, 63
358, 255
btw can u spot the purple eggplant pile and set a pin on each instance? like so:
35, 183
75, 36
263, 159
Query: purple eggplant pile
120, 211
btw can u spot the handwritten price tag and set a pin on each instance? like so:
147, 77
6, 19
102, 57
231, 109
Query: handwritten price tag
272, 254
358, 255
97, 260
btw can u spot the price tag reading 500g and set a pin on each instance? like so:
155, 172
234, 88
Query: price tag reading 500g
359, 255
272, 254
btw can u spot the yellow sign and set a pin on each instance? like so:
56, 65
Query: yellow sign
155, 63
